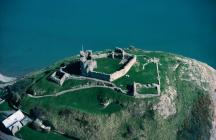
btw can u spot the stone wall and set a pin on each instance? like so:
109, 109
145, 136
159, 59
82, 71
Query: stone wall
98, 56
123, 71
137, 86
116, 75
85, 64
100, 75
61, 80
54, 78
88, 66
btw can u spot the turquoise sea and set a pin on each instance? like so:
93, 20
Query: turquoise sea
36, 33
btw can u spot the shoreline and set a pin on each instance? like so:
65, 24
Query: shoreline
6, 80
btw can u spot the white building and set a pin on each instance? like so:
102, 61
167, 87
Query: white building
14, 122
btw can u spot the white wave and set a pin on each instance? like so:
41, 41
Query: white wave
6, 79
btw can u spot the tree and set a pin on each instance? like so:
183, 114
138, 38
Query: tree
38, 112
14, 100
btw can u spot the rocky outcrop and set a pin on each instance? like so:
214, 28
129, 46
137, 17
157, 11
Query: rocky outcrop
203, 76
166, 107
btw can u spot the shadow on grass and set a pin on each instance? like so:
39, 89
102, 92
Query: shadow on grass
73, 68
198, 123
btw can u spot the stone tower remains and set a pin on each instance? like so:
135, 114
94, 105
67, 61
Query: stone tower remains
87, 63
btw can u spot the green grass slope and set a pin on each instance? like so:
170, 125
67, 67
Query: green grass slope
183, 111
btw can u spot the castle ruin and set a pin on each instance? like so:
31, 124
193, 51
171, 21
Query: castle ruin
87, 66
59, 76
88, 63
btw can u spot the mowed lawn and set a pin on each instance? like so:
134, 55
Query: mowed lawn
108, 65
86, 100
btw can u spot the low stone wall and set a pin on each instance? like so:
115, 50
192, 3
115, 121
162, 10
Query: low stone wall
54, 78
137, 86
57, 80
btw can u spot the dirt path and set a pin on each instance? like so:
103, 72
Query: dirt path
70, 90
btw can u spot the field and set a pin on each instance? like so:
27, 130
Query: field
82, 114
108, 65
87, 100
42, 86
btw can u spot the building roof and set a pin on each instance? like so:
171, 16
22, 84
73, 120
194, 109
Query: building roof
12, 119
4, 136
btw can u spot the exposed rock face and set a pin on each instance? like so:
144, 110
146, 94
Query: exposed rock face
166, 107
209, 74
191, 71
204, 76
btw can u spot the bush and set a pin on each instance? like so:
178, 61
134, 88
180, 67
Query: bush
38, 112
14, 100
30, 91
129, 131
65, 112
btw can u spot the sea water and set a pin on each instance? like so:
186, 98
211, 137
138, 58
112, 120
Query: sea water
36, 33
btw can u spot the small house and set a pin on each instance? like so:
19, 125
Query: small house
12, 121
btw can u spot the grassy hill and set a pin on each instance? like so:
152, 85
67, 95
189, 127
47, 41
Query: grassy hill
183, 111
